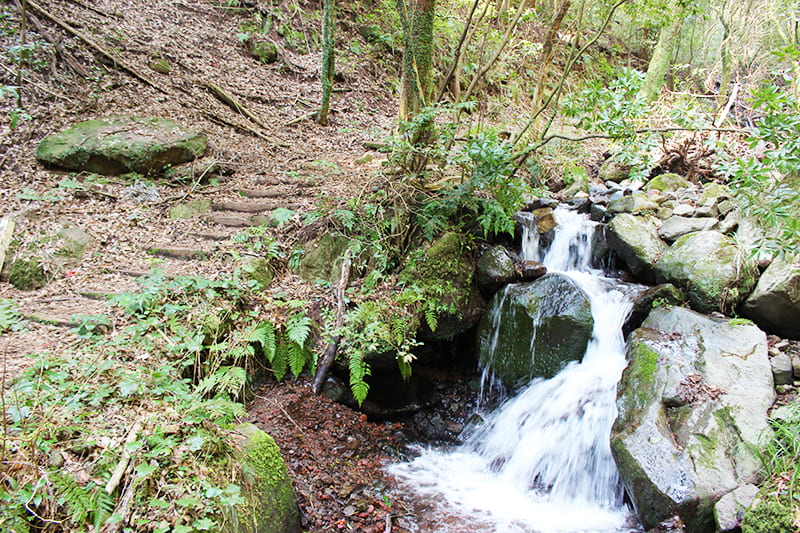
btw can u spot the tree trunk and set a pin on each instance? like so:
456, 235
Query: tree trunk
415, 89
328, 23
662, 57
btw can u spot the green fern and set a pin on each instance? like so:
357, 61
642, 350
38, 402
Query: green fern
280, 360
227, 380
81, 503
298, 328
264, 334
359, 369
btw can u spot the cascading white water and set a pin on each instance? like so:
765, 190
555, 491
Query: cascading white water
542, 461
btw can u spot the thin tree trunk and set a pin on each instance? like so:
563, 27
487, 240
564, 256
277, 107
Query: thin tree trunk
662, 58
546, 57
328, 24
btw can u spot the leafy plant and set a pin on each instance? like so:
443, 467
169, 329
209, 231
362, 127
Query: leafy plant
767, 183
10, 320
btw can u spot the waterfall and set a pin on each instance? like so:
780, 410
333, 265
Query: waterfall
542, 462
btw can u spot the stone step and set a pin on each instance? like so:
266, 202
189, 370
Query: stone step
245, 207
232, 221
268, 193
178, 252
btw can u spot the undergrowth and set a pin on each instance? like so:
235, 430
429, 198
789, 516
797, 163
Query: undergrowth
158, 397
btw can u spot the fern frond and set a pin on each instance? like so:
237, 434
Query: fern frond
281, 359
298, 328
359, 369
78, 501
431, 318
297, 358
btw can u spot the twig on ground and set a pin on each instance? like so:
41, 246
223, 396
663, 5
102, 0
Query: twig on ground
122, 466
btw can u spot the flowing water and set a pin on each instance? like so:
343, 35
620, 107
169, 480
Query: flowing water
541, 462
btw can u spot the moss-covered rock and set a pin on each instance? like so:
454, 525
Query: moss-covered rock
323, 259
636, 204
635, 239
667, 183
577, 180
770, 514
269, 504
692, 408
442, 273
613, 170
495, 268
258, 269
117, 145
534, 329
713, 269
162, 66
26, 274
264, 51
189, 209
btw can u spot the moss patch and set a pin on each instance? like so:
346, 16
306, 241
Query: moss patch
26, 274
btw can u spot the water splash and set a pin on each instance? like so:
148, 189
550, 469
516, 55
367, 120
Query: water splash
542, 461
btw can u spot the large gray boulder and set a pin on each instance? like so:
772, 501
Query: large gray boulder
117, 145
713, 269
775, 303
635, 239
534, 329
692, 406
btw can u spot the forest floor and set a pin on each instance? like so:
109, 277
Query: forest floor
334, 454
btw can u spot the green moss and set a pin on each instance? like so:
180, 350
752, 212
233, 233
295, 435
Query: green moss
641, 374
739, 322
26, 274
771, 514
161, 66
269, 505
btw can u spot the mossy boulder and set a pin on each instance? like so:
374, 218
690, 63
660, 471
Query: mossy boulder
258, 269
692, 408
189, 209
613, 170
26, 274
117, 145
635, 239
636, 203
577, 179
323, 260
443, 272
495, 269
713, 269
775, 303
669, 182
269, 504
264, 51
534, 329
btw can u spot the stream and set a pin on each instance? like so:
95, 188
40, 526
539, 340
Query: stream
541, 462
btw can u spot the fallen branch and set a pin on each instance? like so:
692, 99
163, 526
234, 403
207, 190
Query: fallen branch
122, 466
96, 10
248, 129
333, 345
231, 101
123, 508
99, 49
301, 118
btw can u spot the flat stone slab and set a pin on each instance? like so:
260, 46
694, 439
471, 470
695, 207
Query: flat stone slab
179, 252
232, 221
116, 145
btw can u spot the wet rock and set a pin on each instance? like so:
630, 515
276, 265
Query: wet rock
659, 296
117, 145
713, 270
730, 509
692, 406
531, 270
677, 226
545, 219
775, 303
494, 268
541, 326
635, 239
